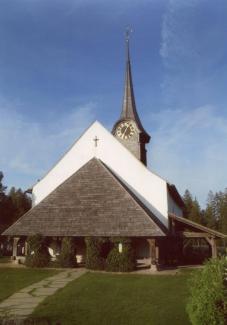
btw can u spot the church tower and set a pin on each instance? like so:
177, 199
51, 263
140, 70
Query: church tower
128, 129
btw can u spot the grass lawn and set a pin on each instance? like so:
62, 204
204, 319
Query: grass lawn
107, 299
4, 259
12, 280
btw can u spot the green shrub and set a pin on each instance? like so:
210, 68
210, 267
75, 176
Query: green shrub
67, 257
121, 261
94, 259
38, 255
207, 294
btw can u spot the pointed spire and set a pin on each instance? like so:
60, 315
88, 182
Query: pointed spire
129, 105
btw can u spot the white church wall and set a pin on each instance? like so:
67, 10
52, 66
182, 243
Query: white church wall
81, 152
150, 188
173, 207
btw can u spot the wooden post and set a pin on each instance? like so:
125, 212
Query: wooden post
25, 248
156, 255
213, 244
15, 242
153, 254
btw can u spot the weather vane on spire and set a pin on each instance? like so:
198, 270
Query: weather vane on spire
128, 31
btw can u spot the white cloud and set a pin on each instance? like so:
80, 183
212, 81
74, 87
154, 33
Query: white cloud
189, 149
28, 149
176, 26
192, 52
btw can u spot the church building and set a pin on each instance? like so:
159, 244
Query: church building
102, 187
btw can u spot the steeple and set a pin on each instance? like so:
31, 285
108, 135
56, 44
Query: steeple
129, 129
129, 110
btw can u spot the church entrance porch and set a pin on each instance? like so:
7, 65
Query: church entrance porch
146, 249
146, 253
154, 253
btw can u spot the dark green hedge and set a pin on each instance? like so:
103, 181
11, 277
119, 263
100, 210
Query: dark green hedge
67, 257
207, 303
94, 259
38, 255
121, 261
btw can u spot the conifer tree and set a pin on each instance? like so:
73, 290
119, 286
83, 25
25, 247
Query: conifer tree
192, 209
12, 205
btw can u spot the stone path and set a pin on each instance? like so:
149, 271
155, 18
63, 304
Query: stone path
22, 303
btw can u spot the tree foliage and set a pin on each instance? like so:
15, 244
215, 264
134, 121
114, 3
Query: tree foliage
215, 213
38, 255
192, 209
94, 259
12, 205
67, 257
121, 261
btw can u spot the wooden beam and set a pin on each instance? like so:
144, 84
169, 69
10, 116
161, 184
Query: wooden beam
186, 242
190, 234
197, 226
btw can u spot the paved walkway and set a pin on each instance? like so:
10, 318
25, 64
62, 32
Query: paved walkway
21, 304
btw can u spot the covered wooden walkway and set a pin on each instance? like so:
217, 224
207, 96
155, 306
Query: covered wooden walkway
187, 229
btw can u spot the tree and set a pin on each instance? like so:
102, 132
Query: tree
188, 201
216, 211
209, 213
223, 213
192, 209
12, 205
2, 188
5, 208
20, 202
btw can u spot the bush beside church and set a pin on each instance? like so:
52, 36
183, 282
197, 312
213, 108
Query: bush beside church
38, 255
208, 294
122, 257
110, 254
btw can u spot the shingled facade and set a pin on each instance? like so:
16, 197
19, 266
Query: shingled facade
92, 202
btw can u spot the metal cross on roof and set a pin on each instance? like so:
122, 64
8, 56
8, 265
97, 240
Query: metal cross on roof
96, 141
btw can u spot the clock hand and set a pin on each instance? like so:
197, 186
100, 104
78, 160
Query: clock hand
125, 132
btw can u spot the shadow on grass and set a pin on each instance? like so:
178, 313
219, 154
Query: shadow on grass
29, 321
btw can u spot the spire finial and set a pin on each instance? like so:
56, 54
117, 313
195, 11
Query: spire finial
128, 31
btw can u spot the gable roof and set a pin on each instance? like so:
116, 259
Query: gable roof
149, 187
92, 202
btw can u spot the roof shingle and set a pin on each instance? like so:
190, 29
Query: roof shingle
92, 202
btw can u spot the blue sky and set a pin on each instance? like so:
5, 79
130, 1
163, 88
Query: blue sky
62, 66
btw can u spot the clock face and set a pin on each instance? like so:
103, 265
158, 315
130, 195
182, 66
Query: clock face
125, 130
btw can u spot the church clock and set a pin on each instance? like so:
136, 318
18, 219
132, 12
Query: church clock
125, 130
129, 129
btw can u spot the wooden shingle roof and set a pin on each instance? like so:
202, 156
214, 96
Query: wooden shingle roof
92, 202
